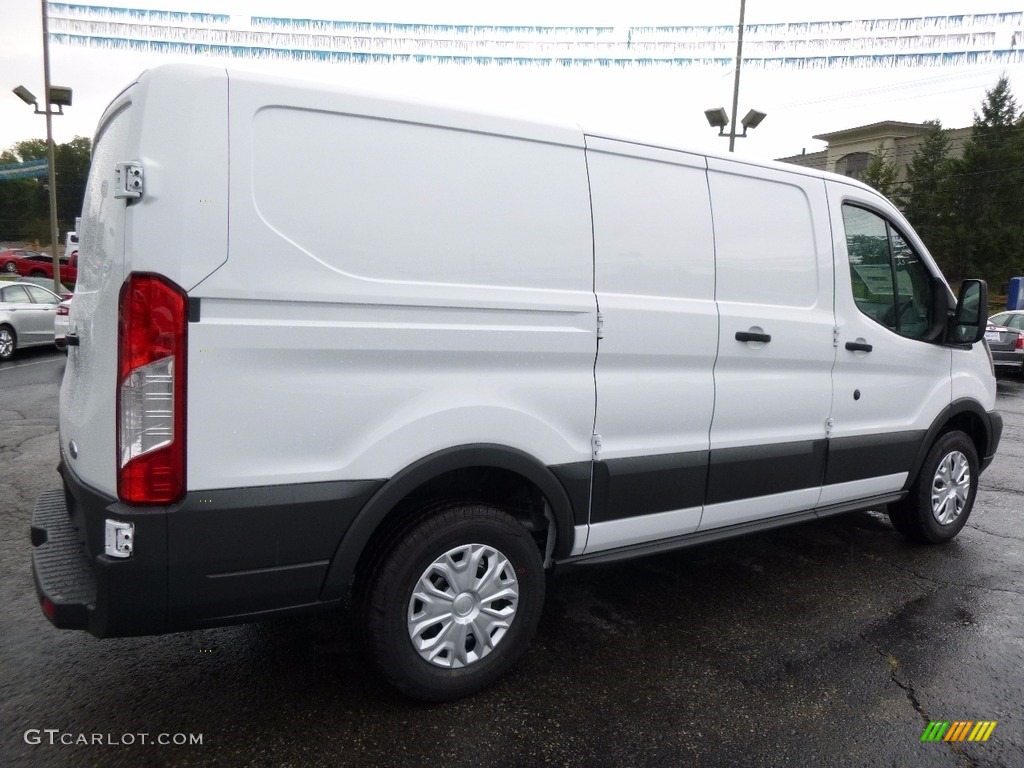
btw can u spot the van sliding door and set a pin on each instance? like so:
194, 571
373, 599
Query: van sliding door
654, 279
773, 374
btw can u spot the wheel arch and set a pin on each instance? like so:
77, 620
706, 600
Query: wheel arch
385, 507
966, 416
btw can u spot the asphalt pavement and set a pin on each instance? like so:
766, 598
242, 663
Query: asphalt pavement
827, 644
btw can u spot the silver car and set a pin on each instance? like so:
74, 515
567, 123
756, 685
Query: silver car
61, 325
27, 312
1005, 338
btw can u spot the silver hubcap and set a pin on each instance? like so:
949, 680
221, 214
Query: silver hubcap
6, 343
950, 487
462, 605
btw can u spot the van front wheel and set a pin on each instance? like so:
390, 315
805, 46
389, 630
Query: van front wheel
942, 496
454, 603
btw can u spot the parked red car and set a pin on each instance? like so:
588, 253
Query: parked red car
9, 259
41, 265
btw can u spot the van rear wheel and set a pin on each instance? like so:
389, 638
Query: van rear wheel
942, 496
454, 602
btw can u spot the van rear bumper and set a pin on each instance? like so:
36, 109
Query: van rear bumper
79, 587
217, 557
64, 580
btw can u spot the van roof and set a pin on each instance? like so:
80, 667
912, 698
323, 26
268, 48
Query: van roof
390, 105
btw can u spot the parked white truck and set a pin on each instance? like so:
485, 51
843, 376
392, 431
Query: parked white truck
331, 345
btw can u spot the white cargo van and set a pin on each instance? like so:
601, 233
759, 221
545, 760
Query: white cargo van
329, 345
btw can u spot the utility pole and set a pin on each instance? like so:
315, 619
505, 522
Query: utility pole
50, 151
736, 81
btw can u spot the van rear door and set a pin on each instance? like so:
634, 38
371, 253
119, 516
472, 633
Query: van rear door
87, 413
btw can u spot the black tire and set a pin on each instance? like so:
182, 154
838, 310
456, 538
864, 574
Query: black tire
8, 342
462, 533
950, 470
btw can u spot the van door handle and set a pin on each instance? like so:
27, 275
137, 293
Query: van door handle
858, 346
751, 336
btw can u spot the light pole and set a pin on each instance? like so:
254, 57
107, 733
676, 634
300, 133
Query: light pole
55, 96
718, 118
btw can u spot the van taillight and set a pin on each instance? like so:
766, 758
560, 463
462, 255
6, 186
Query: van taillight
151, 347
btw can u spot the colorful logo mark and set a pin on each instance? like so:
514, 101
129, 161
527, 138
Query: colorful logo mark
958, 730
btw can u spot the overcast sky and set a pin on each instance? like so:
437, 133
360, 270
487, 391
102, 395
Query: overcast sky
663, 103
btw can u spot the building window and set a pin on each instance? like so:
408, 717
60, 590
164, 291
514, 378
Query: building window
854, 164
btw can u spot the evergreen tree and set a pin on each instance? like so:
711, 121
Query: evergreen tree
990, 192
881, 172
927, 196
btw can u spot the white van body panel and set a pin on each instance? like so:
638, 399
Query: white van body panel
179, 227
655, 282
972, 377
418, 312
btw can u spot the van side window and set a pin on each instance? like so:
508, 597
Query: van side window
891, 284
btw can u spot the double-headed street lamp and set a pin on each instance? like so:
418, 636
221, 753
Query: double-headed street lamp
718, 118
60, 97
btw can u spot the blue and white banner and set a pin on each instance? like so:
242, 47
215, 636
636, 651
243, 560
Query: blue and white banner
929, 41
24, 170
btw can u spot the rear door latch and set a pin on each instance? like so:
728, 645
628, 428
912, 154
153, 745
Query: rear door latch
119, 538
129, 180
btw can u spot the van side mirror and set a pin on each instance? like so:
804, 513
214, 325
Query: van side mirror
971, 313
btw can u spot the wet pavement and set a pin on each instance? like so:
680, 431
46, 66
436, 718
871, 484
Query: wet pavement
831, 643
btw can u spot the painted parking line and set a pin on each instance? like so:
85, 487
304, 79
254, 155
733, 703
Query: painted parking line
29, 364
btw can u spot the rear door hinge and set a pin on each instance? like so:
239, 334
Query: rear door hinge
595, 446
829, 424
835, 336
600, 325
129, 183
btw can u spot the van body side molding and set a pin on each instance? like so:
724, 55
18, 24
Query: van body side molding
859, 457
728, 532
762, 470
643, 485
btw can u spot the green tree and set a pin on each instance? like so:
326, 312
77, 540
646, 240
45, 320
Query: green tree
25, 203
988, 192
72, 174
927, 196
881, 172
